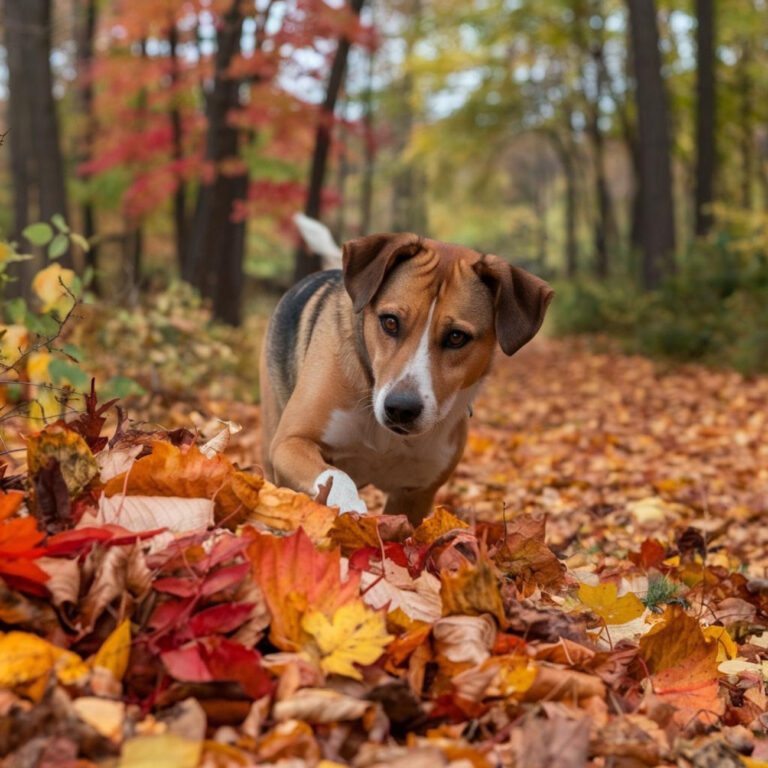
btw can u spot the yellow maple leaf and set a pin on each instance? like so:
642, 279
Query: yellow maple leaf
26, 662
355, 635
604, 601
115, 650
51, 285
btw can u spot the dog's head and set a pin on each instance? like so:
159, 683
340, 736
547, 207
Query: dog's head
431, 315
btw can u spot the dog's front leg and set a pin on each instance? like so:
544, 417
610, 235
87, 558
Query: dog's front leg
299, 464
415, 504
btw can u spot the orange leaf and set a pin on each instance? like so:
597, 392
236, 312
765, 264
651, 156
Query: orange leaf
439, 522
10, 503
185, 472
287, 510
19, 537
471, 591
684, 667
293, 576
352, 532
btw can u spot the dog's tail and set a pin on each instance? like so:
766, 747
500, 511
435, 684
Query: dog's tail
319, 240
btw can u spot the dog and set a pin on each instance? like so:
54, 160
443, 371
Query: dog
368, 373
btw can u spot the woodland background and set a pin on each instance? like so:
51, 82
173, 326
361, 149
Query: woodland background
617, 148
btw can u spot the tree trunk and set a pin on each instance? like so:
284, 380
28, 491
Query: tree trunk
180, 195
566, 152
658, 224
369, 150
36, 165
306, 262
746, 138
705, 114
86, 35
409, 209
217, 243
342, 173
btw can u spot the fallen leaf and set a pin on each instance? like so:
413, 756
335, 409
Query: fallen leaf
440, 522
603, 600
164, 751
320, 705
295, 576
115, 651
472, 591
353, 635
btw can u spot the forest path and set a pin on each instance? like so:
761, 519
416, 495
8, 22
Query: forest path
615, 448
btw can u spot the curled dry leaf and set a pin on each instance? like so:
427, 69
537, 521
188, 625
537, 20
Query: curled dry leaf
465, 638
320, 705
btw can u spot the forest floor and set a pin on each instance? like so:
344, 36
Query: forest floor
612, 447
593, 591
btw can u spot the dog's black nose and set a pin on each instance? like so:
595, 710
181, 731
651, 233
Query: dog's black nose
402, 408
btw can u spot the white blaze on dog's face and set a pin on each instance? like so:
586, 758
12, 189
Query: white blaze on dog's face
431, 315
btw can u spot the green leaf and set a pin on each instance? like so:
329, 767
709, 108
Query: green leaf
72, 350
79, 240
122, 386
58, 246
62, 370
88, 273
15, 310
42, 325
38, 234
61, 225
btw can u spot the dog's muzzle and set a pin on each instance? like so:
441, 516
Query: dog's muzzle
402, 410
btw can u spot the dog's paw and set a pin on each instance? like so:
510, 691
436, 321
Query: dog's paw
342, 494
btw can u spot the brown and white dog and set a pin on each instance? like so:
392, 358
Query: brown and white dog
368, 372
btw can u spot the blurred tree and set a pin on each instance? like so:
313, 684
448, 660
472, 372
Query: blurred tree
215, 260
657, 232
306, 262
87, 15
706, 154
37, 169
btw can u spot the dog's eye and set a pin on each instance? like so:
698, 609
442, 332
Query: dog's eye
389, 324
456, 339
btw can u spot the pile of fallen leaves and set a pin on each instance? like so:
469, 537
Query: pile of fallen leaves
160, 607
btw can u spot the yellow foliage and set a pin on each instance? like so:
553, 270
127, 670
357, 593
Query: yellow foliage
165, 751
604, 601
26, 662
51, 285
355, 635
115, 651
726, 648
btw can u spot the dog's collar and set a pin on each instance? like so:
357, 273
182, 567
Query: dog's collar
362, 350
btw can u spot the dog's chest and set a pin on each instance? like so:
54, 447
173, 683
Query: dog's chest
370, 453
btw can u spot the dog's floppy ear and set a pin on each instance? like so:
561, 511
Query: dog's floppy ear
520, 301
367, 260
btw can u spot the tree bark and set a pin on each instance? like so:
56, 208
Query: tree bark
306, 262
706, 156
86, 35
409, 209
174, 115
36, 165
216, 243
369, 149
657, 233
566, 151
746, 137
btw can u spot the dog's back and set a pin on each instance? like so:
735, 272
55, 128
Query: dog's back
288, 336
